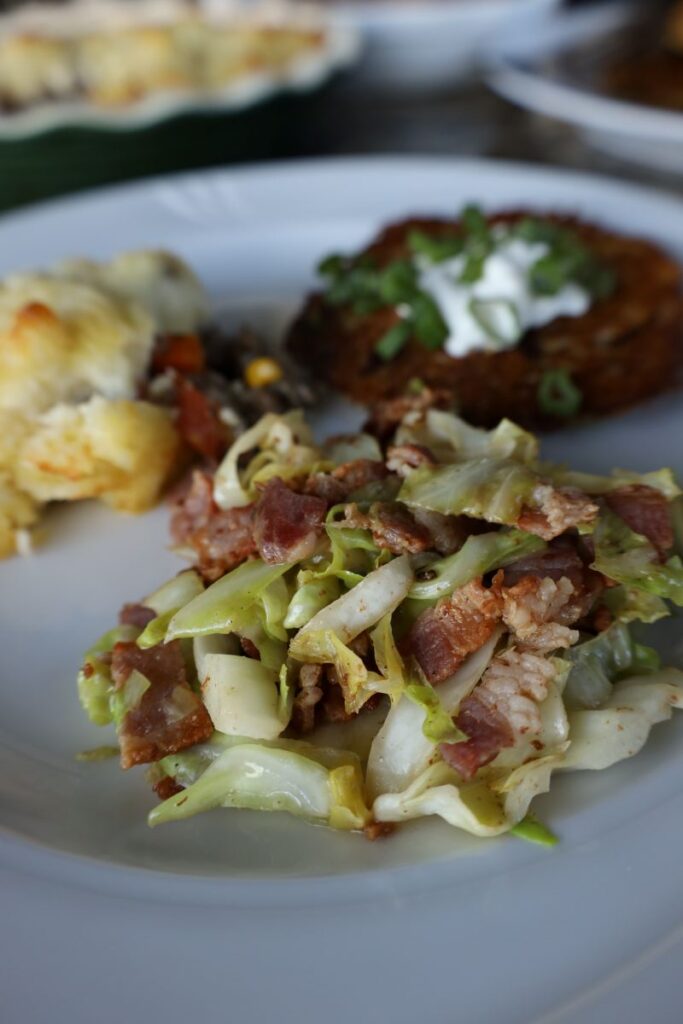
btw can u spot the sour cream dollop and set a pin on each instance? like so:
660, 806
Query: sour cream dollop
494, 311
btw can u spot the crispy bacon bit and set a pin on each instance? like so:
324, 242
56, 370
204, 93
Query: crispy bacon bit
557, 560
198, 422
556, 510
222, 539
487, 734
308, 696
392, 526
403, 459
167, 787
287, 525
249, 648
448, 533
539, 611
346, 480
443, 636
359, 473
136, 615
378, 829
170, 716
560, 560
645, 510
503, 706
387, 415
181, 352
324, 485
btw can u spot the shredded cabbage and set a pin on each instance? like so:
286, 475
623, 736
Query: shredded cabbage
478, 555
630, 558
492, 489
285, 440
242, 696
596, 663
229, 603
288, 777
95, 686
166, 601
450, 438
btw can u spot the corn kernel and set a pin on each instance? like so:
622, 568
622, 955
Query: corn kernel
261, 372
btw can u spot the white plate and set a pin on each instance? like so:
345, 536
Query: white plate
309, 72
518, 71
427, 44
254, 917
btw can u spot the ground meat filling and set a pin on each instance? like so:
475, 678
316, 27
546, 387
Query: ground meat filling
287, 525
221, 539
443, 636
392, 526
169, 716
645, 510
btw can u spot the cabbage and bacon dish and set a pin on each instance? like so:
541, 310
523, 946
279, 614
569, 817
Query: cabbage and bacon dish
423, 618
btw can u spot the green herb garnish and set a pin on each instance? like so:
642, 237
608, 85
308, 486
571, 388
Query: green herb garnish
531, 830
487, 314
558, 395
391, 343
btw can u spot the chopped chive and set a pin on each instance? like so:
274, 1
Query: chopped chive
646, 659
474, 221
531, 830
487, 314
391, 343
332, 265
436, 250
97, 754
428, 323
398, 282
557, 394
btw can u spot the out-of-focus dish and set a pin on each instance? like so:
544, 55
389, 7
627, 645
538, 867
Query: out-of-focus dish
427, 44
113, 63
108, 385
613, 70
533, 316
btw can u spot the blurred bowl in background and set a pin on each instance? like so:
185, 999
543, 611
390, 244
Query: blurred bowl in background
426, 44
562, 71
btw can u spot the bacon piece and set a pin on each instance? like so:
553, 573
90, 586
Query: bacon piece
557, 560
347, 480
309, 694
503, 707
387, 415
181, 352
170, 716
555, 510
560, 560
287, 525
539, 610
378, 830
448, 533
167, 787
198, 421
392, 526
443, 636
487, 734
403, 459
222, 539
645, 510
136, 615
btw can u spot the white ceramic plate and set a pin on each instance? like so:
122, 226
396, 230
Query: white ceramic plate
427, 44
255, 917
518, 70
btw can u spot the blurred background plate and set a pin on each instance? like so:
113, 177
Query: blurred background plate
555, 71
427, 44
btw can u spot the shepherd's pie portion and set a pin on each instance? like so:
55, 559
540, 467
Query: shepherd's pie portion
76, 344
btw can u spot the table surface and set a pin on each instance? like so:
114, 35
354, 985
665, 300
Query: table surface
338, 120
